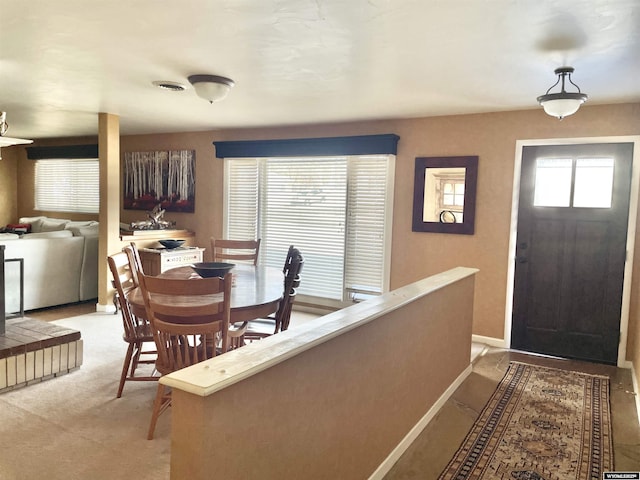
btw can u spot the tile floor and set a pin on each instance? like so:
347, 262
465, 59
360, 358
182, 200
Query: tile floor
432, 450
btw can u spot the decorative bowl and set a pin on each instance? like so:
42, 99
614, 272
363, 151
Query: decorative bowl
212, 269
171, 243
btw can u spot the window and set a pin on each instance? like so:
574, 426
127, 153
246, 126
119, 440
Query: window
450, 191
335, 209
581, 182
67, 185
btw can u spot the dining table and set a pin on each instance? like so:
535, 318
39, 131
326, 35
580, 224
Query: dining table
256, 291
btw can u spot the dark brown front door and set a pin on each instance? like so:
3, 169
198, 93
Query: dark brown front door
571, 250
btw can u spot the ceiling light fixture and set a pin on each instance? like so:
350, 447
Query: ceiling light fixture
562, 104
211, 87
8, 141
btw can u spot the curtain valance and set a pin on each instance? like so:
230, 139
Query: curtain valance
308, 147
64, 151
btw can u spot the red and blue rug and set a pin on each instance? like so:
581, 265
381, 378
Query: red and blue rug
540, 424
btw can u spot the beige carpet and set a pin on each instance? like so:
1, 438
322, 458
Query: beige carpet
540, 424
73, 427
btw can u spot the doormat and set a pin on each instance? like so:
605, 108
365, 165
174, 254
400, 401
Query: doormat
540, 424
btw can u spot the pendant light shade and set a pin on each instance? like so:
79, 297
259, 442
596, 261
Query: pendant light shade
8, 141
211, 87
563, 103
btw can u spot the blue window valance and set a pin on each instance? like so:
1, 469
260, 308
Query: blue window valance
64, 151
307, 147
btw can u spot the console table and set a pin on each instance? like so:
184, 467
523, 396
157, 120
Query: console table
158, 260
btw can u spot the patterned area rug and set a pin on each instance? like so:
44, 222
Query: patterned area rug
540, 424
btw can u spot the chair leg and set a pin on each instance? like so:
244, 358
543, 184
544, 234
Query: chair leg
116, 303
125, 369
160, 404
136, 358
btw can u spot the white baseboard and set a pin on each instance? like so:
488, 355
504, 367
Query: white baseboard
109, 308
404, 444
491, 341
636, 390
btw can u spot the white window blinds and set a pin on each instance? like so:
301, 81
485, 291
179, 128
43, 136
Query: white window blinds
369, 206
336, 210
67, 185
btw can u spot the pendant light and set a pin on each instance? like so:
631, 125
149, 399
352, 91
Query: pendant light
564, 103
8, 141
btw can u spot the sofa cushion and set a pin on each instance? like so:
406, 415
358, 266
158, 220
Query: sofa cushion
53, 234
35, 222
87, 231
52, 224
9, 236
77, 223
30, 219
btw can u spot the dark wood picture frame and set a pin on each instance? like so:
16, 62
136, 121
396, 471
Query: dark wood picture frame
467, 226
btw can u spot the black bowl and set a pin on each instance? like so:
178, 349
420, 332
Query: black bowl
212, 269
171, 243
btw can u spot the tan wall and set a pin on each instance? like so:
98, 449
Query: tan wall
8, 180
415, 255
491, 136
335, 411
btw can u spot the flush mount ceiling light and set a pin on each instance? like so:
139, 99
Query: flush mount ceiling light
211, 87
8, 141
564, 103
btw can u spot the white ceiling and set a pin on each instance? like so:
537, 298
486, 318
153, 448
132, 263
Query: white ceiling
302, 61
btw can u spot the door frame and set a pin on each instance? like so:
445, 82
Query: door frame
631, 229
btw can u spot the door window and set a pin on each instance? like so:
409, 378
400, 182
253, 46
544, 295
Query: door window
574, 182
594, 183
553, 182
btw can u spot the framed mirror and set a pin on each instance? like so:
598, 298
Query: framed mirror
444, 194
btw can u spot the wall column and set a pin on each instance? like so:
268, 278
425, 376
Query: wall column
109, 216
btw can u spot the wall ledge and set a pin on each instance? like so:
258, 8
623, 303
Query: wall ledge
210, 376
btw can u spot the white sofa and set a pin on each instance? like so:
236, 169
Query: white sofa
60, 263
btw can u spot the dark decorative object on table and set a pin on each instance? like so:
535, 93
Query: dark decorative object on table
171, 243
212, 269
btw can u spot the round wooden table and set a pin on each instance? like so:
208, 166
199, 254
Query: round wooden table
256, 291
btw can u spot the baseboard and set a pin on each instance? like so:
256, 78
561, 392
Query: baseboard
491, 341
404, 444
109, 308
636, 390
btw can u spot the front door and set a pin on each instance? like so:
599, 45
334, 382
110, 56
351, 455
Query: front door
571, 250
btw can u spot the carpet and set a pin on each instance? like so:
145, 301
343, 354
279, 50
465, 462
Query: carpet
540, 424
74, 428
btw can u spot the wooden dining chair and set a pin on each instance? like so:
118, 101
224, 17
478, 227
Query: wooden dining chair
278, 322
137, 330
190, 321
236, 250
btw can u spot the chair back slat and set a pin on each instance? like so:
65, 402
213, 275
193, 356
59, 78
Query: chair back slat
236, 250
292, 268
187, 331
134, 260
278, 322
124, 282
